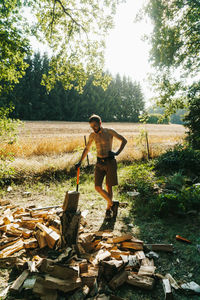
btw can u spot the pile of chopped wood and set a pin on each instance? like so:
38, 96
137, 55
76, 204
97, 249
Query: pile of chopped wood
94, 267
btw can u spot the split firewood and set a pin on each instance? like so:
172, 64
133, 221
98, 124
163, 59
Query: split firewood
4, 202
26, 233
30, 223
172, 281
167, 289
71, 201
8, 242
90, 277
117, 253
160, 247
144, 282
140, 255
83, 267
119, 239
12, 249
101, 255
103, 234
29, 283
41, 290
118, 280
111, 267
132, 245
147, 262
40, 236
30, 243
19, 281
8, 219
32, 266
51, 236
62, 285
147, 270
44, 207
39, 214
62, 272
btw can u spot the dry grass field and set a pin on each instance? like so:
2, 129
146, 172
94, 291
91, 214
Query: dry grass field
57, 145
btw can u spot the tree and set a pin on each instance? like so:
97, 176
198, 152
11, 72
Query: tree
14, 44
74, 30
175, 49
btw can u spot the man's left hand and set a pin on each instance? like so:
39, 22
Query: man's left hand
112, 154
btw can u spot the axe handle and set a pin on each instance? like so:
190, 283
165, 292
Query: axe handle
77, 181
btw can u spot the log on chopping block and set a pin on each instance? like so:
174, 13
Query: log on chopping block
71, 201
70, 223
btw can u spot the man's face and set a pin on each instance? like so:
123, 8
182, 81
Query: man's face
95, 126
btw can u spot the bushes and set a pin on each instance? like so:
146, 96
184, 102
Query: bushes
181, 202
178, 159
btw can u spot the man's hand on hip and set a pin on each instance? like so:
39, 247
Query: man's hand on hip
112, 154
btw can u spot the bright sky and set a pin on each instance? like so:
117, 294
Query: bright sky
126, 53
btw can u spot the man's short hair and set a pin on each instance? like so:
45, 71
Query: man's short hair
95, 118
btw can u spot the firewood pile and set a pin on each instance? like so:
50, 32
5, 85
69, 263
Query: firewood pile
93, 265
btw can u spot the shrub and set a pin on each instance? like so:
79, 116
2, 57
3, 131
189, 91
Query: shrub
173, 202
186, 160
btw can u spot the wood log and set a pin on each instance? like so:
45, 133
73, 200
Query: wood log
17, 284
103, 234
41, 290
111, 268
8, 219
45, 207
144, 282
12, 249
62, 272
118, 280
172, 281
119, 239
160, 247
30, 243
147, 262
140, 255
100, 256
147, 270
70, 223
62, 285
51, 236
90, 277
167, 289
118, 253
71, 201
8, 242
40, 236
132, 245
39, 214
4, 202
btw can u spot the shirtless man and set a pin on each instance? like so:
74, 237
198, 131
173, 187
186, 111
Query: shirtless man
106, 163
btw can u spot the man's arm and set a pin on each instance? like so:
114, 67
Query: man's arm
86, 150
121, 138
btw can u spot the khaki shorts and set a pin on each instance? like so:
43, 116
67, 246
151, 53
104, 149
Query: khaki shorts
108, 169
